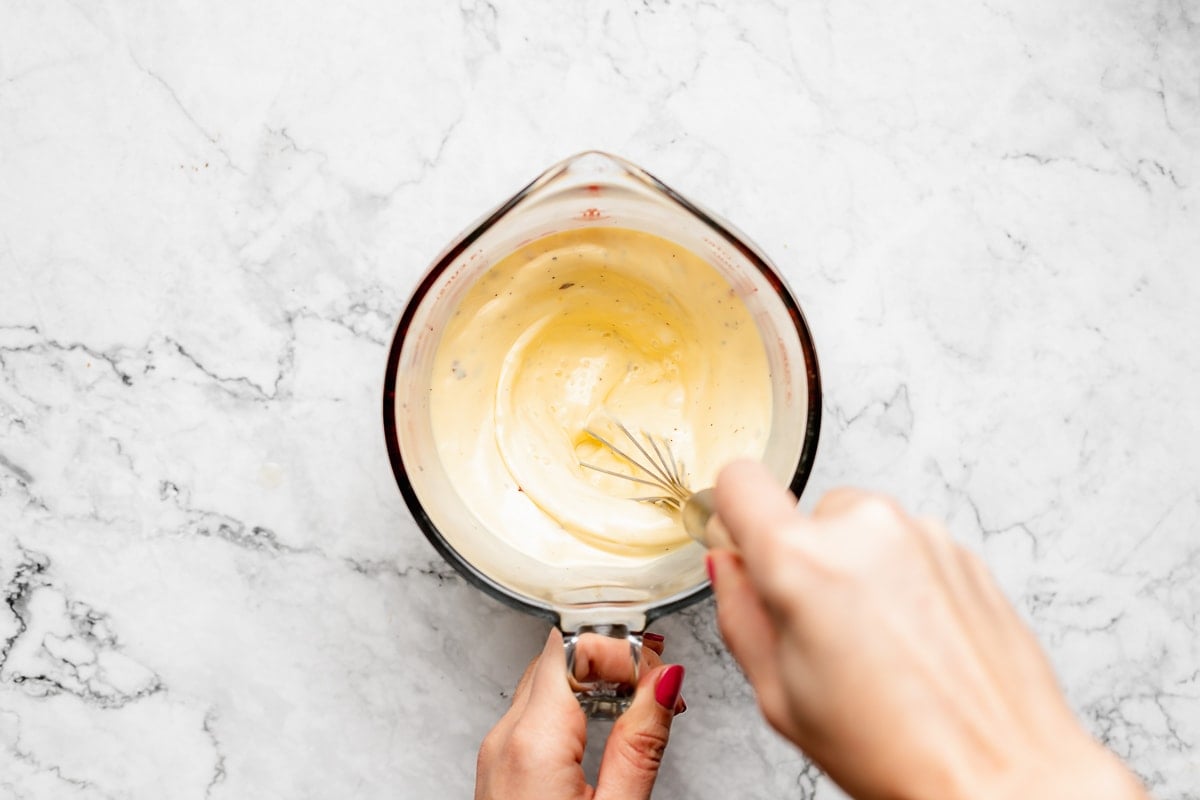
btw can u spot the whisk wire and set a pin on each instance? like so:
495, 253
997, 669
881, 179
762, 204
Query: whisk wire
618, 451
662, 462
676, 470
616, 474
662, 471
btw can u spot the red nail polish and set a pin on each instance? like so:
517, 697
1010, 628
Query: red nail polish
669, 683
712, 573
650, 636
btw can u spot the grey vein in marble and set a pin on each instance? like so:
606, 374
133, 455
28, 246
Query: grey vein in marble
210, 219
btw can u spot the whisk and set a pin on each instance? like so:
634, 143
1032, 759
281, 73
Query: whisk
659, 469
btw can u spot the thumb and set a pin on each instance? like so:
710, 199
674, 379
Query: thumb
639, 737
755, 508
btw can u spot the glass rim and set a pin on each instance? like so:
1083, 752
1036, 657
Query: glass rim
728, 234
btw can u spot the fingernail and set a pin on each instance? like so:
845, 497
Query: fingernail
712, 572
650, 636
666, 692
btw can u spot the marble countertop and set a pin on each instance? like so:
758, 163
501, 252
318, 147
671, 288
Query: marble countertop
211, 216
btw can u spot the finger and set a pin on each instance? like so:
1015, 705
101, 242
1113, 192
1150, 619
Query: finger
550, 696
746, 626
638, 739
651, 661
520, 697
753, 507
605, 658
654, 641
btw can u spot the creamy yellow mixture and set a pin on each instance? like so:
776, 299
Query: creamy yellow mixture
572, 331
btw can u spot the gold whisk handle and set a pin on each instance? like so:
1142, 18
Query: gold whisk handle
700, 520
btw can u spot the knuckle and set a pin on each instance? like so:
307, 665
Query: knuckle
774, 586
522, 746
836, 500
934, 530
793, 568
774, 714
649, 660
488, 751
785, 588
880, 510
790, 545
643, 750
889, 534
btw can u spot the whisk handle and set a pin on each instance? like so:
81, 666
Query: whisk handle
700, 520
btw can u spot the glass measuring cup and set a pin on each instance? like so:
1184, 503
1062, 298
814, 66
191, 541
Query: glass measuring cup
616, 602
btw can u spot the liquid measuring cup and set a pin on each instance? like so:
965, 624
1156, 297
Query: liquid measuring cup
617, 602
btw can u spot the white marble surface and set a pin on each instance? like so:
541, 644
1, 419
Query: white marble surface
212, 214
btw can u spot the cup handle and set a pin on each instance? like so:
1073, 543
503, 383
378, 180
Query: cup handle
603, 698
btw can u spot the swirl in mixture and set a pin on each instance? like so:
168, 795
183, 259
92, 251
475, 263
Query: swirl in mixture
571, 332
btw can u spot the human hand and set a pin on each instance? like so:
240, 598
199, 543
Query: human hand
536, 749
888, 654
